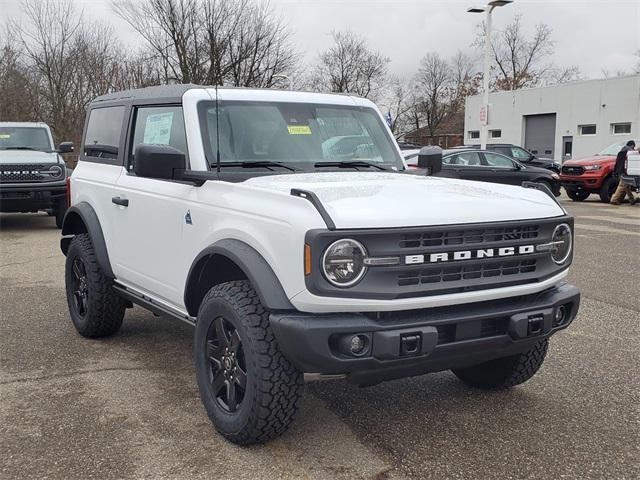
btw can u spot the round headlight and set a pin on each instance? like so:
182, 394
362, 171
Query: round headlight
561, 243
343, 262
55, 171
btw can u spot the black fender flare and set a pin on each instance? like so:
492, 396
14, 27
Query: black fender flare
82, 218
250, 262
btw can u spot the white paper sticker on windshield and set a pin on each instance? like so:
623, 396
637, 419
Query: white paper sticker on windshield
158, 128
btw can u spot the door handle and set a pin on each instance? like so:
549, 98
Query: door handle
120, 201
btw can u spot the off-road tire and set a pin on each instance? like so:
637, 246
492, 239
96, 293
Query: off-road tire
273, 385
506, 372
578, 195
607, 189
104, 308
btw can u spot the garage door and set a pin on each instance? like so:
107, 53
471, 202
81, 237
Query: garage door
540, 134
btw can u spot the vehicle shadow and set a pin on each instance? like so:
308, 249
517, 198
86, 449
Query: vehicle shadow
26, 221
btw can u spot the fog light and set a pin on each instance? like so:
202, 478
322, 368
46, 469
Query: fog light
560, 316
357, 344
353, 345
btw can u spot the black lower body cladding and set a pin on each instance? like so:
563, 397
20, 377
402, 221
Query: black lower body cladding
407, 343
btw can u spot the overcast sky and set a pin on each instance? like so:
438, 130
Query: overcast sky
592, 34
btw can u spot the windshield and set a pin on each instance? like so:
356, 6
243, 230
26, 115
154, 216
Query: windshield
612, 150
301, 135
27, 138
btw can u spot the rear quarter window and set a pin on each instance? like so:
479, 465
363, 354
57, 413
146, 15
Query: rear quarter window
102, 138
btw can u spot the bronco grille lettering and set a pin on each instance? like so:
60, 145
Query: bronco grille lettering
469, 254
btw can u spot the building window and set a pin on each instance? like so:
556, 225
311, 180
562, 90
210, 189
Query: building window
587, 129
621, 128
495, 133
474, 134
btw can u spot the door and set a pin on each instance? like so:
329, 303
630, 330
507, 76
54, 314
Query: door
567, 148
467, 166
503, 169
540, 134
150, 225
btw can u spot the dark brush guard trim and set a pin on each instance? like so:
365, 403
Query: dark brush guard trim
315, 201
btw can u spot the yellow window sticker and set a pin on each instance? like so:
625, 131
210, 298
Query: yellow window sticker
5, 135
299, 129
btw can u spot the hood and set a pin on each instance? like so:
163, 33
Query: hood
592, 160
385, 200
27, 157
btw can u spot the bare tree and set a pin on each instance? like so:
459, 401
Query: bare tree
435, 83
350, 66
237, 42
18, 102
522, 61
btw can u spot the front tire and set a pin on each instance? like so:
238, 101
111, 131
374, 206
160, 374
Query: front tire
506, 372
607, 189
95, 309
249, 389
578, 195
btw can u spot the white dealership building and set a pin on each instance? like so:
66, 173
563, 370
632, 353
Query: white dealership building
564, 121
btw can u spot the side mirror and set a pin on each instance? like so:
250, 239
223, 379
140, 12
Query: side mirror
430, 158
517, 166
158, 161
65, 147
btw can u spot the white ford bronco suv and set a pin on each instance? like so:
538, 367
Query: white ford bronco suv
33, 175
282, 225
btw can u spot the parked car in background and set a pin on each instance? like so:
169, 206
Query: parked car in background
521, 155
33, 176
408, 146
583, 176
485, 166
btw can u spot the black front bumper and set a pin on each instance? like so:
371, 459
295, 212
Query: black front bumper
31, 198
407, 343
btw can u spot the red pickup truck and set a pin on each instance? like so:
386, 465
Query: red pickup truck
583, 176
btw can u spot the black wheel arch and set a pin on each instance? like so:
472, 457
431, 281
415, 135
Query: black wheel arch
82, 218
229, 260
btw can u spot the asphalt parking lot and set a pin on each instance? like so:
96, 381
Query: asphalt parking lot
128, 406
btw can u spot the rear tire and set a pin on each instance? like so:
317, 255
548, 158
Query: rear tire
578, 195
96, 310
249, 389
607, 189
505, 372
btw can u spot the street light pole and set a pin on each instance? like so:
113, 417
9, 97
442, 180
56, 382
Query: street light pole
484, 108
484, 126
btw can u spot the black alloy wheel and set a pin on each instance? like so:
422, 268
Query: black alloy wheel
80, 287
228, 371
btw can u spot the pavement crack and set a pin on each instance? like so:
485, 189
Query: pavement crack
75, 373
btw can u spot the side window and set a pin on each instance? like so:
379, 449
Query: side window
520, 153
103, 132
450, 160
159, 126
495, 160
470, 159
503, 150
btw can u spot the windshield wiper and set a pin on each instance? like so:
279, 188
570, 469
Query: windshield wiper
257, 164
19, 148
349, 164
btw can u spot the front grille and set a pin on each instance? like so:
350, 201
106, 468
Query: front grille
568, 170
466, 272
443, 259
472, 236
25, 173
